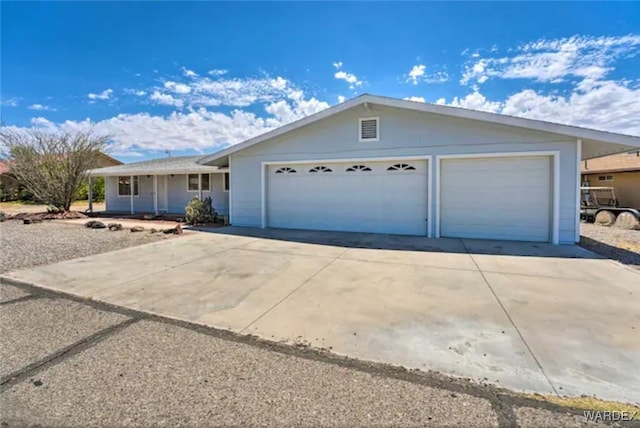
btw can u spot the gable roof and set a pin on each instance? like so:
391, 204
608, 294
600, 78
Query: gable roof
168, 165
618, 142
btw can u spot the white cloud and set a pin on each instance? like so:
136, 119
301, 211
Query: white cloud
197, 129
166, 99
416, 99
9, 102
217, 72
554, 61
178, 88
341, 99
136, 92
203, 91
416, 73
189, 73
352, 79
40, 107
338, 65
104, 95
606, 105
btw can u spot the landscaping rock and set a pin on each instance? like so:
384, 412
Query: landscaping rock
114, 226
137, 229
3, 217
153, 230
175, 230
94, 224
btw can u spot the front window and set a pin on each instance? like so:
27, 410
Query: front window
226, 181
193, 184
124, 186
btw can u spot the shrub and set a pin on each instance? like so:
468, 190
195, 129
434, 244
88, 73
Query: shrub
199, 211
97, 185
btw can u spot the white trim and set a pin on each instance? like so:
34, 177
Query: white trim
166, 193
436, 183
132, 186
263, 198
98, 172
224, 182
199, 189
429, 197
265, 164
230, 195
457, 112
578, 185
554, 154
369, 140
369, 159
555, 233
155, 194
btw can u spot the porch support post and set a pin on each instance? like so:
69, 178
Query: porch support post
90, 192
131, 189
155, 194
200, 186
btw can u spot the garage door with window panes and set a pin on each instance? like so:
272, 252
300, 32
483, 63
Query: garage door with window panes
361, 196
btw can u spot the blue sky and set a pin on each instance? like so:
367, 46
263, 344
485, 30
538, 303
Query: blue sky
194, 77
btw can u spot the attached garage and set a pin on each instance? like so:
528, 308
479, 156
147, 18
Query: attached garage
503, 197
357, 196
472, 174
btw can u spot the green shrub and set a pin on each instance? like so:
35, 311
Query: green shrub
97, 185
200, 211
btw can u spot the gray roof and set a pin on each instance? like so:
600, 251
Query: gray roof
168, 165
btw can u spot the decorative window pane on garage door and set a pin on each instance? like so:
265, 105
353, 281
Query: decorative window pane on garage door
285, 170
358, 168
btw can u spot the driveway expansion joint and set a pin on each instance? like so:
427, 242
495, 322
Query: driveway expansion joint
293, 291
61, 355
504, 309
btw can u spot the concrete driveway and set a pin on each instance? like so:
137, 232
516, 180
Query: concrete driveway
528, 317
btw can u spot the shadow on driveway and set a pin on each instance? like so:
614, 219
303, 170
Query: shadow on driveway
408, 243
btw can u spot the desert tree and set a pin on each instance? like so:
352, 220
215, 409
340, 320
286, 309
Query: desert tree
51, 164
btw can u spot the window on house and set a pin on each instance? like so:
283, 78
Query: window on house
124, 186
401, 167
605, 178
358, 168
285, 170
320, 169
369, 129
192, 182
225, 181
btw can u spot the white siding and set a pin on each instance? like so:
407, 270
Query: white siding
402, 133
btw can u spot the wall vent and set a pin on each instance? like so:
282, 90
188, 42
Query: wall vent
369, 129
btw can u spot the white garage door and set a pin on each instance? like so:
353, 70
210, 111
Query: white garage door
380, 197
496, 198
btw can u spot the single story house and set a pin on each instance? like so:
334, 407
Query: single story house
620, 171
384, 165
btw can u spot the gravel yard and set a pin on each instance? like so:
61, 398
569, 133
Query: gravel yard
26, 245
612, 242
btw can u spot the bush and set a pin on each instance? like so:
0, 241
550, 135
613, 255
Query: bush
199, 211
97, 185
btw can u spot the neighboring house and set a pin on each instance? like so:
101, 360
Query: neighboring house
620, 171
9, 186
105, 160
383, 165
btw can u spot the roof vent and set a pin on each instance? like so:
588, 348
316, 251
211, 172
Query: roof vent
369, 129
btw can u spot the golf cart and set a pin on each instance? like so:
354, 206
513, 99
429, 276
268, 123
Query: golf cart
600, 205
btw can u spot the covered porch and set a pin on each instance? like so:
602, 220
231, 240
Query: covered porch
162, 186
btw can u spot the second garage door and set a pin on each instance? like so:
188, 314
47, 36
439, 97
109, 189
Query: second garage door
363, 196
496, 198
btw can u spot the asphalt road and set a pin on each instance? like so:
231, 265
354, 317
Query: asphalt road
81, 363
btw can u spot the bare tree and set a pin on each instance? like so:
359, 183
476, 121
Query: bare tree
52, 165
